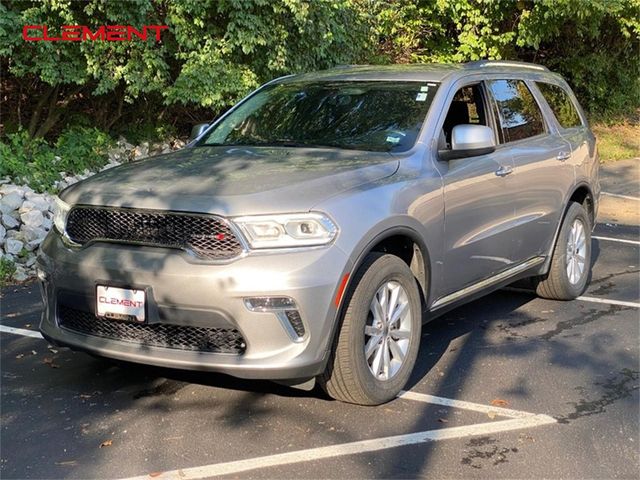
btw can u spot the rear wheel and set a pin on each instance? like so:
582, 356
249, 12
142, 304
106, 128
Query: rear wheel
571, 261
377, 345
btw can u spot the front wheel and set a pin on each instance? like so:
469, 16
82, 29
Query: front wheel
571, 260
379, 337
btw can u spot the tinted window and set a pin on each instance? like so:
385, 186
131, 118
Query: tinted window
372, 116
561, 105
520, 116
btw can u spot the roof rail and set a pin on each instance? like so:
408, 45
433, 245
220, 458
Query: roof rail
505, 63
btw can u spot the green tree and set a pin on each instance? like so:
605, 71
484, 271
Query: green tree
595, 44
214, 52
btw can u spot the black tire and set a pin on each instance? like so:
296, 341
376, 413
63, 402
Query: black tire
556, 284
348, 376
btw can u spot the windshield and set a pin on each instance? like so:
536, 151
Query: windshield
371, 116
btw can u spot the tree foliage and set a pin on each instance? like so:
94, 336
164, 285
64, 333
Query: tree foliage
215, 51
595, 44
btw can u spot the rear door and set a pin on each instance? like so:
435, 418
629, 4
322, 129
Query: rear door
542, 174
570, 123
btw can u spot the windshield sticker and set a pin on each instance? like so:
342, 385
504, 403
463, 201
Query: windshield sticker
421, 97
391, 139
424, 88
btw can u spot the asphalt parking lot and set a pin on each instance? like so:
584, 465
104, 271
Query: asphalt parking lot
509, 386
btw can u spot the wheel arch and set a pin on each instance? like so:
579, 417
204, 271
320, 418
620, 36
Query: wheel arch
582, 194
402, 241
378, 238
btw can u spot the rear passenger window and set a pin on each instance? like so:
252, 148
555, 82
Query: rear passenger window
519, 113
561, 105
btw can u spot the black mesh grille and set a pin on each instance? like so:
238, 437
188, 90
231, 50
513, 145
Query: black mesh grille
179, 337
206, 236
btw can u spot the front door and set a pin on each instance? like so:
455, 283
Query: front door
478, 199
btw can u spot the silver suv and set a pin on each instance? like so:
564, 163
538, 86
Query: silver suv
309, 232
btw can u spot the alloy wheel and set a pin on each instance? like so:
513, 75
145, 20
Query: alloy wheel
576, 249
387, 331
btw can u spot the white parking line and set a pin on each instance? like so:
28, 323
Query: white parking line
605, 301
617, 195
517, 420
609, 302
620, 240
20, 331
475, 407
351, 448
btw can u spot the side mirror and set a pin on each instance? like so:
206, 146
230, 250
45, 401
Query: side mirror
469, 141
197, 130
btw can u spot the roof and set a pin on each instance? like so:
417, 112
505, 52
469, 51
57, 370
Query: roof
429, 72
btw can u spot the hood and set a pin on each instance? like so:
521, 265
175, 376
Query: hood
233, 180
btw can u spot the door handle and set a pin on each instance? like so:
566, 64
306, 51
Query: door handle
504, 170
562, 156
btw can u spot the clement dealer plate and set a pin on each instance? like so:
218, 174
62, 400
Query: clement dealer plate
120, 303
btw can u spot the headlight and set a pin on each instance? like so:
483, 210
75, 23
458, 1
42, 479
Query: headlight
291, 230
60, 212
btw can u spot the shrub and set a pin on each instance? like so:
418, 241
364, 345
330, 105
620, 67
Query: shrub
147, 131
28, 160
80, 148
7, 270
38, 164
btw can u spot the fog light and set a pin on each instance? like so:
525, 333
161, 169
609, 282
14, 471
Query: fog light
293, 316
285, 310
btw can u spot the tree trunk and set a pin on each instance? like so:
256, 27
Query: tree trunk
37, 113
55, 111
118, 113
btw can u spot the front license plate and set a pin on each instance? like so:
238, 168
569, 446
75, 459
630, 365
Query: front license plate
120, 303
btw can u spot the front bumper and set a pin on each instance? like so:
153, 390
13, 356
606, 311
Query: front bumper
185, 294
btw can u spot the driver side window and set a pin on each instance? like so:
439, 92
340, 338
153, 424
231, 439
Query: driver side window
467, 108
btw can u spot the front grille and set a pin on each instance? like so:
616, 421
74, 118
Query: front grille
206, 236
179, 337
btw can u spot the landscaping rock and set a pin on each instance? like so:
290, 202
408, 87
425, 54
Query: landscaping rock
13, 246
9, 221
10, 201
32, 218
21, 274
39, 201
7, 189
30, 234
16, 235
26, 206
32, 245
141, 151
